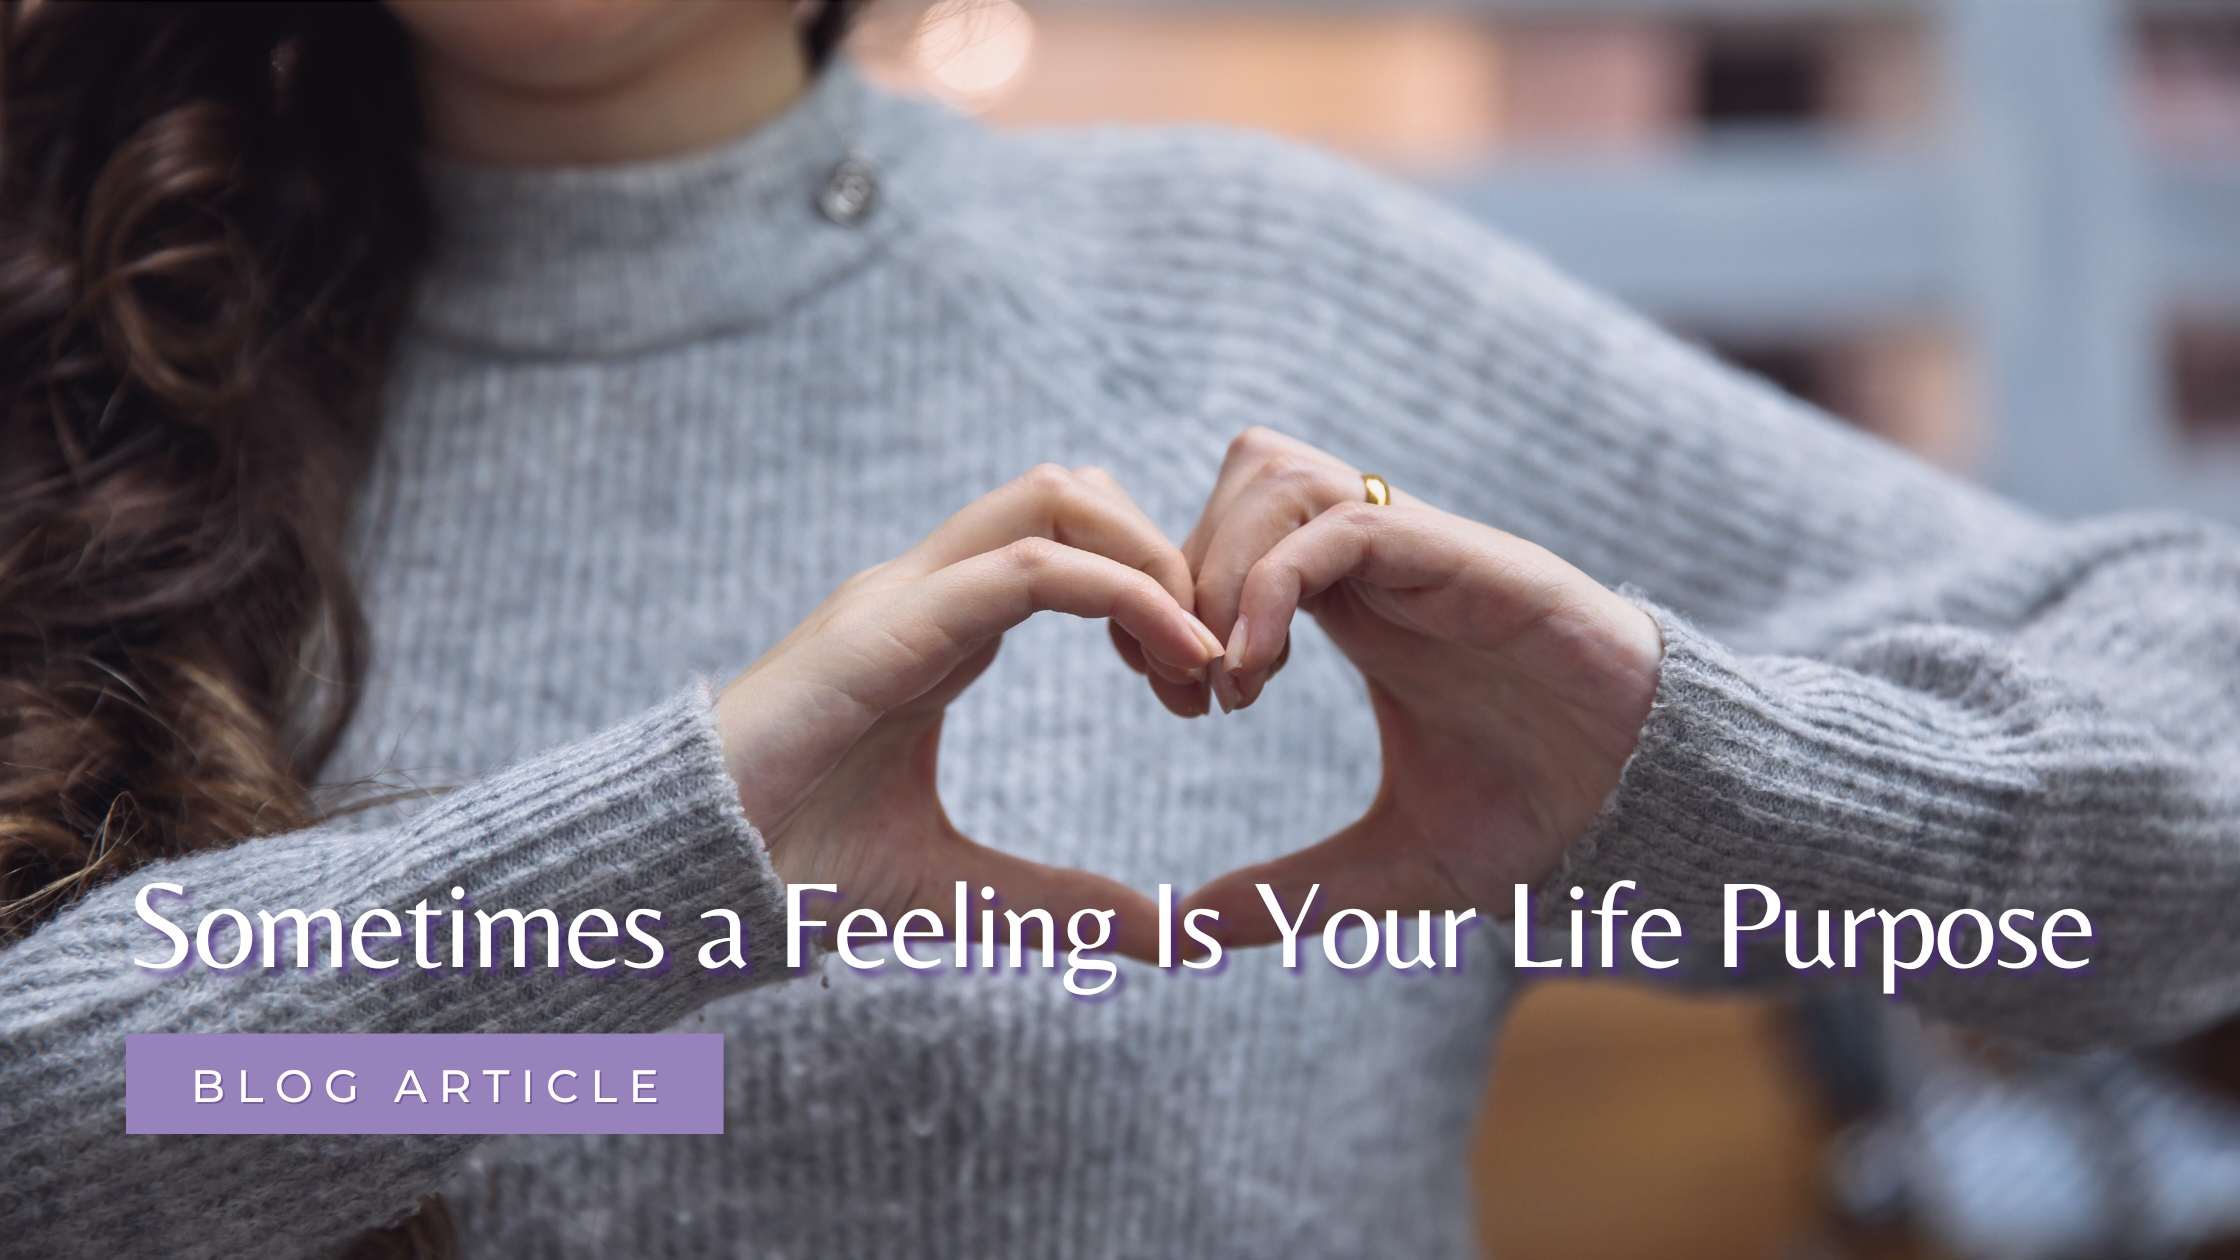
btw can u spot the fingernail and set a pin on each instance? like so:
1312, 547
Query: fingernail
1197, 673
1224, 688
1205, 636
1235, 654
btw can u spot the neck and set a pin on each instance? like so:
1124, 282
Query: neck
742, 66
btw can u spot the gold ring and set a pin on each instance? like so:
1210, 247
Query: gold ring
1379, 490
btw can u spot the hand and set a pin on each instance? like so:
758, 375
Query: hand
1508, 687
833, 735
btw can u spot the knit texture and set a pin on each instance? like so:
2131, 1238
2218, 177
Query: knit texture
647, 417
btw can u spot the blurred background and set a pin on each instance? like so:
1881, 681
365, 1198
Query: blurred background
2002, 233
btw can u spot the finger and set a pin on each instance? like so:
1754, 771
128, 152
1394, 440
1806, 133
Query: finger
1164, 560
1268, 513
918, 634
1393, 547
1132, 654
1019, 886
1187, 699
1282, 498
1354, 868
995, 590
1083, 508
1249, 686
1253, 453
1183, 697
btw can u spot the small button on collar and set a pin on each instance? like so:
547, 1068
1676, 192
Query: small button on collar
849, 191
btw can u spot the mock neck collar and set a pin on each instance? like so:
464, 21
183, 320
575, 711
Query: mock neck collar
604, 260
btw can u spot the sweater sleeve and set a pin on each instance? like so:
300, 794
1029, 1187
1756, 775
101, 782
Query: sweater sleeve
2069, 761
641, 814
1884, 687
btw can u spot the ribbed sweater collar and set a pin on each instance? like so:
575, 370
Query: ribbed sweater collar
594, 261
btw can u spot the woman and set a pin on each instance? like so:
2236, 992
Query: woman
694, 336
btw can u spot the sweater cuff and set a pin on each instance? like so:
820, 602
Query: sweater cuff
640, 815
1734, 779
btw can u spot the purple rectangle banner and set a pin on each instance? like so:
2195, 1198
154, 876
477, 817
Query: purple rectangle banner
423, 1083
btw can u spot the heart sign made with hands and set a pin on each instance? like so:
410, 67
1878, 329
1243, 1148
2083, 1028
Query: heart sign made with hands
834, 735
1507, 686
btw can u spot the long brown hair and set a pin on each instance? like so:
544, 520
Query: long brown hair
210, 218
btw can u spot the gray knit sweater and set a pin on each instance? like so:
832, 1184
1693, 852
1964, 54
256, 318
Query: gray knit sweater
647, 417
